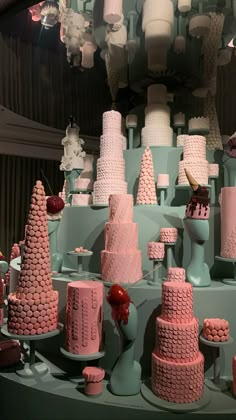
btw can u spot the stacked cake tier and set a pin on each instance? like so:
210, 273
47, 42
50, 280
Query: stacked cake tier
84, 317
121, 261
111, 164
177, 364
194, 160
33, 309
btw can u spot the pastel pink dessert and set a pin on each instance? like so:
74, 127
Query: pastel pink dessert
176, 274
33, 308
146, 187
168, 235
10, 352
199, 204
228, 222
177, 364
234, 375
216, 329
93, 380
163, 180
84, 317
156, 250
121, 261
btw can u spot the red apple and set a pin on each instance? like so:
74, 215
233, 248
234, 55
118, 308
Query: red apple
55, 204
117, 295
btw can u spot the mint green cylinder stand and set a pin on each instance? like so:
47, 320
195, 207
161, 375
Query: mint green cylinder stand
55, 256
71, 176
197, 272
162, 194
126, 375
170, 254
230, 169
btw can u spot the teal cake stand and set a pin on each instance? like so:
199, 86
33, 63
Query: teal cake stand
230, 282
79, 256
157, 264
32, 369
217, 383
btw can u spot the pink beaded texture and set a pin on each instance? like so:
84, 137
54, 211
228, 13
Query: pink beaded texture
216, 329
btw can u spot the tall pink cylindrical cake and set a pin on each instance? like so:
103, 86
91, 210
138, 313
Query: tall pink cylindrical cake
177, 364
33, 308
84, 317
121, 261
228, 222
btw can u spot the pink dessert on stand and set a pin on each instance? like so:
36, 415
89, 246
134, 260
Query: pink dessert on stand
216, 329
156, 250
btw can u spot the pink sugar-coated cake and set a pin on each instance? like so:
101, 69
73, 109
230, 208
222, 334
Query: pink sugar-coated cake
180, 383
228, 222
177, 302
176, 274
84, 317
81, 199
216, 329
163, 180
146, 187
83, 184
10, 352
33, 308
93, 380
168, 235
171, 340
156, 250
213, 169
121, 261
234, 375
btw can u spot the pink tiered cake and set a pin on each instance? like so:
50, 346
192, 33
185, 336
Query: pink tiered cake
194, 160
156, 250
177, 364
121, 261
228, 222
84, 317
33, 308
146, 186
111, 164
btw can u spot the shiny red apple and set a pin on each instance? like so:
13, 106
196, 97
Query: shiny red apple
55, 204
118, 296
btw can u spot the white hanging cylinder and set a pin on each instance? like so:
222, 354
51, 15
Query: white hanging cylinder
161, 10
184, 6
112, 11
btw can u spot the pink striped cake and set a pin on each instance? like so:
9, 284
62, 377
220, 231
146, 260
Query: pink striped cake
216, 329
121, 261
156, 250
84, 317
168, 235
33, 309
176, 274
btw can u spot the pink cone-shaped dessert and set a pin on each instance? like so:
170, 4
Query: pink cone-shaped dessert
146, 186
33, 308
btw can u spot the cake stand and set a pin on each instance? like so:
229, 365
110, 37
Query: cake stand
31, 368
79, 255
83, 359
212, 180
162, 190
233, 261
217, 383
169, 253
156, 266
148, 395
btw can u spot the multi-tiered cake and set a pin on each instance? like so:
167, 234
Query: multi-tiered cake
157, 130
177, 364
111, 164
194, 160
33, 308
121, 261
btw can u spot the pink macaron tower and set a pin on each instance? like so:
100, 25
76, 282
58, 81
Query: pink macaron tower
84, 317
33, 308
146, 187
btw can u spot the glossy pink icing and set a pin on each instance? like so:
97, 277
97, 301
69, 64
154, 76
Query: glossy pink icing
155, 250
216, 329
228, 222
146, 187
176, 274
33, 308
84, 317
168, 235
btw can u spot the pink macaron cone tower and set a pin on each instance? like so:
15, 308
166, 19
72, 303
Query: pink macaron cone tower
177, 364
121, 261
84, 317
33, 308
146, 187
93, 380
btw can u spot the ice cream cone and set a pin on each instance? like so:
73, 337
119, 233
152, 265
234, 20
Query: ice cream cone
193, 183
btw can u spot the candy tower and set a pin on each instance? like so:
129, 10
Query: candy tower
33, 308
146, 186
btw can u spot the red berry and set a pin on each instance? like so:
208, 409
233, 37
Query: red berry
117, 295
55, 204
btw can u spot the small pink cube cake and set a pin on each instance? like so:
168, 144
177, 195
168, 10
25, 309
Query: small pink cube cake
176, 274
156, 250
168, 235
216, 329
163, 180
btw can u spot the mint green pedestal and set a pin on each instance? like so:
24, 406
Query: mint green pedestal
55, 256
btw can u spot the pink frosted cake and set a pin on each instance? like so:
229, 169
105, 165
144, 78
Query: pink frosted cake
163, 180
176, 274
121, 261
199, 204
93, 380
168, 235
216, 329
228, 222
146, 187
156, 250
177, 364
33, 308
84, 317
81, 200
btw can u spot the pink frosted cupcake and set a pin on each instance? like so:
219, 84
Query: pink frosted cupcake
93, 380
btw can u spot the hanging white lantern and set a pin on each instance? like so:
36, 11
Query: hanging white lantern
184, 6
112, 11
49, 13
